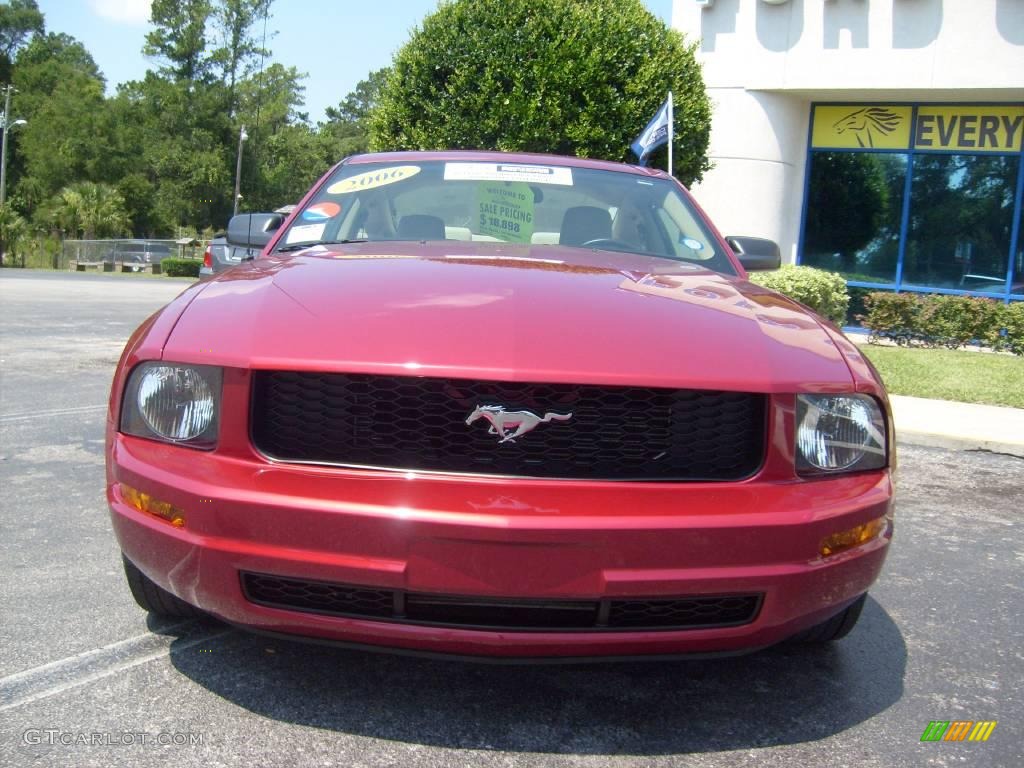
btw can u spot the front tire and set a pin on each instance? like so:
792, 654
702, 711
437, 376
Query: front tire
154, 598
835, 628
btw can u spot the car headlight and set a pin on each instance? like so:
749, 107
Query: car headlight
173, 403
839, 433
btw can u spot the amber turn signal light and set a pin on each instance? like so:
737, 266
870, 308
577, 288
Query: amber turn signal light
854, 537
146, 503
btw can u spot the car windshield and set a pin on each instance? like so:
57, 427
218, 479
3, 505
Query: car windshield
495, 202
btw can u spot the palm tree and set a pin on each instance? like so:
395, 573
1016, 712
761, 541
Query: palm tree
94, 210
12, 229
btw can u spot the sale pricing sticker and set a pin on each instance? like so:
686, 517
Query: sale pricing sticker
372, 179
505, 211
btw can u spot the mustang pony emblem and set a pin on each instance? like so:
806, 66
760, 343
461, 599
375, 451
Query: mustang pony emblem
864, 122
502, 421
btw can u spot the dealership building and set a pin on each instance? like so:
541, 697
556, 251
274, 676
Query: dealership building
880, 140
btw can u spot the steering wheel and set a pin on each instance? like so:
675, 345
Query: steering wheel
608, 243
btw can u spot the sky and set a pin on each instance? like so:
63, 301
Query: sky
336, 42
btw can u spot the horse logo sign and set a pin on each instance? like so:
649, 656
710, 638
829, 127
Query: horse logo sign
867, 123
511, 424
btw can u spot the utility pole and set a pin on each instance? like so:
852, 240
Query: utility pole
242, 136
3, 151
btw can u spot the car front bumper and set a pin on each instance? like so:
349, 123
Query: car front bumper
495, 539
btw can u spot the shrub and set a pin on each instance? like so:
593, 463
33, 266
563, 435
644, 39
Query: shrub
892, 315
560, 76
1012, 324
856, 310
181, 267
824, 292
954, 321
951, 321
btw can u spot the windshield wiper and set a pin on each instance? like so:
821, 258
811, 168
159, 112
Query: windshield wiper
303, 246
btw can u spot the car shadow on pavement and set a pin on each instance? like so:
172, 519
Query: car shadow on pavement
783, 695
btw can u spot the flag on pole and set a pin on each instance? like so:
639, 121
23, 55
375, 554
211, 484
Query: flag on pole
657, 133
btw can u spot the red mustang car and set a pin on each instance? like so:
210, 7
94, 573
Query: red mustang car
503, 405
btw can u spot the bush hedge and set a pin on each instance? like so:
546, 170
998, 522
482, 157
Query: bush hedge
912, 319
824, 292
181, 267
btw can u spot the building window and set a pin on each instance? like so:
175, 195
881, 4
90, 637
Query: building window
917, 197
961, 219
854, 204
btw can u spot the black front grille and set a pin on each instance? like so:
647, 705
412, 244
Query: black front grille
695, 612
615, 433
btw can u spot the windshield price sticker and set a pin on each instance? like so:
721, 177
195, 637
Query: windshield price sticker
372, 179
305, 233
505, 211
533, 174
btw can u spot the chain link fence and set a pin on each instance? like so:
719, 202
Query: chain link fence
111, 255
118, 255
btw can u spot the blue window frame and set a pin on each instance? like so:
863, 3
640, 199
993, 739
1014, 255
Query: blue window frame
917, 197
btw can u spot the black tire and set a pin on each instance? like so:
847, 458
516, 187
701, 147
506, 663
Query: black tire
156, 599
836, 628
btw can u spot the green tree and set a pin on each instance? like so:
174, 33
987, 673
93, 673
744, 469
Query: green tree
347, 128
12, 230
179, 38
90, 210
19, 20
234, 21
60, 94
576, 77
283, 156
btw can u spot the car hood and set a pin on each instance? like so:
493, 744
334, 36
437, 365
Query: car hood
505, 312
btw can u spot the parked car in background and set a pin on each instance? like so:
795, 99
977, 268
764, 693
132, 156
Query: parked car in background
138, 252
507, 405
221, 255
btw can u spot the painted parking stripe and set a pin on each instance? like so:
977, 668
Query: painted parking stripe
58, 676
53, 412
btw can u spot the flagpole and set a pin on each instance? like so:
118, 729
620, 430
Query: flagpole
671, 121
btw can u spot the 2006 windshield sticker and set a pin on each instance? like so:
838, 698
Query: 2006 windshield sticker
533, 174
506, 211
372, 179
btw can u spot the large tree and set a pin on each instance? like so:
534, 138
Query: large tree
19, 20
235, 24
90, 210
179, 38
576, 77
60, 94
347, 128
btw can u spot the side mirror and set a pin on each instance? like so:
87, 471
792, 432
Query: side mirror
755, 253
253, 230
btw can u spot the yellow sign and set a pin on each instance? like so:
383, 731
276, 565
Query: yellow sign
972, 128
506, 210
876, 126
372, 179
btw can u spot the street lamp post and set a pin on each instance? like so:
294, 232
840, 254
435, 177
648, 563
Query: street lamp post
8, 90
242, 136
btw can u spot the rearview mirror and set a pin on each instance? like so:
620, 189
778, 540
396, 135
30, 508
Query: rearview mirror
253, 230
755, 253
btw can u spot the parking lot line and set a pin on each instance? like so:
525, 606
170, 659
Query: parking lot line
59, 676
52, 412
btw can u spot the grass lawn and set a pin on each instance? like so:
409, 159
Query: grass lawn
943, 374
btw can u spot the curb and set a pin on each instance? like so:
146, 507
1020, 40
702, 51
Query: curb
957, 443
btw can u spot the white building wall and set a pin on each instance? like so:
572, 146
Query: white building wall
766, 61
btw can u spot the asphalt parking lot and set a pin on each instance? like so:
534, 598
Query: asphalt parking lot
86, 679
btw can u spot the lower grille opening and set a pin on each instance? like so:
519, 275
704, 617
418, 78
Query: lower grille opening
510, 614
